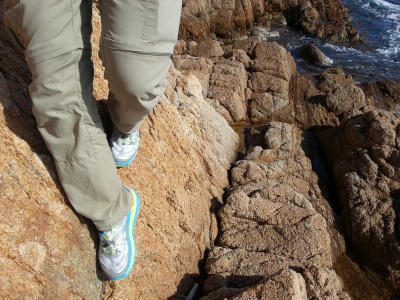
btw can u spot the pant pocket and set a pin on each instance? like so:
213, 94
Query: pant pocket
161, 22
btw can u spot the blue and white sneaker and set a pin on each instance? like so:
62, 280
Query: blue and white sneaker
117, 251
124, 147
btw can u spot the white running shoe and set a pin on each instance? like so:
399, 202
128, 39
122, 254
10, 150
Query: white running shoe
124, 147
117, 251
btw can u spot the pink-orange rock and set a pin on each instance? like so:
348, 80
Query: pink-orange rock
342, 95
225, 18
285, 285
185, 151
195, 20
227, 87
272, 70
50, 252
198, 66
365, 156
271, 222
206, 48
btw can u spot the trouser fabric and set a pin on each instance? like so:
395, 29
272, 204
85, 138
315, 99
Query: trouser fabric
136, 47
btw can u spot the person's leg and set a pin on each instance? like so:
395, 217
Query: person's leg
56, 35
136, 48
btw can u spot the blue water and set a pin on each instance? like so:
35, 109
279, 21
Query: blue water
378, 21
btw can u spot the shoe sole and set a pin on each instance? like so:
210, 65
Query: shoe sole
130, 233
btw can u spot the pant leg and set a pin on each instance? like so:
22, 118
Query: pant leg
136, 48
56, 35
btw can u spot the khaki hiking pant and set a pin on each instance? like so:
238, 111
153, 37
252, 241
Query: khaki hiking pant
136, 45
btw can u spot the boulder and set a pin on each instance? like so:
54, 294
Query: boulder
364, 152
313, 55
228, 83
195, 20
206, 48
271, 72
231, 18
285, 285
248, 44
341, 93
272, 223
197, 66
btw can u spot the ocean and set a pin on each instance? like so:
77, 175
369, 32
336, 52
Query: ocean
378, 58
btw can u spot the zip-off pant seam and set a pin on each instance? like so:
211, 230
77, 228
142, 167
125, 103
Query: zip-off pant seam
81, 102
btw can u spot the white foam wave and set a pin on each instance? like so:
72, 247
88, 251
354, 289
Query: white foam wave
388, 5
389, 51
387, 11
381, 9
343, 49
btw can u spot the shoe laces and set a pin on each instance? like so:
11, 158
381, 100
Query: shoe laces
124, 139
111, 240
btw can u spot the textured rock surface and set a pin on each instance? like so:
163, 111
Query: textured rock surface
227, 88
234, 19
272, 71
197, 66
324, 19
185, 151
273, 220
50, 252
276, 236
365, 156
384, 94
258, 82
285, 285
342, 95
225, 18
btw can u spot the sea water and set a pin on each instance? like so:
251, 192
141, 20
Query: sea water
377, 58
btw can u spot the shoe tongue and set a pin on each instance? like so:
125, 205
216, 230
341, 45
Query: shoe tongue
107, 242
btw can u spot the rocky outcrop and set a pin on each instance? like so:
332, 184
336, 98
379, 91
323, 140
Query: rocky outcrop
273, 227
228, 19
276, 218
341, 94
272, 70
50, 252
227, 89
235, 19
185, 151
257, 81
384, 94
324, 19
275, 235
365, 156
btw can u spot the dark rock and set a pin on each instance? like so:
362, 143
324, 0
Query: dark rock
313, 55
